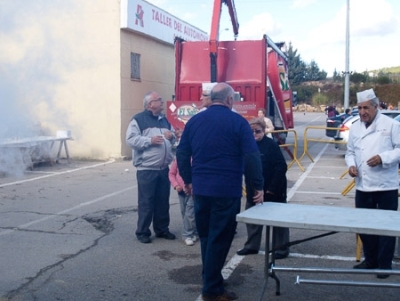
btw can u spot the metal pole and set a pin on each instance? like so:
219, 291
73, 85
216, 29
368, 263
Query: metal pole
347, 73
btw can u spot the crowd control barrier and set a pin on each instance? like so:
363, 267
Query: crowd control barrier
307, 140
285, 146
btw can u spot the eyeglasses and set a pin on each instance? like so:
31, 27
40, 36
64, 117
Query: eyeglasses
257, 131
158, 99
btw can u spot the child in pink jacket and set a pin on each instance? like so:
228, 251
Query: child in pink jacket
189, 231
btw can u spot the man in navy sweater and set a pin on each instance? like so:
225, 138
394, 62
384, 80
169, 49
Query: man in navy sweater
220, 143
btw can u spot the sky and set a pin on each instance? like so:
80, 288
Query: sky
316, 28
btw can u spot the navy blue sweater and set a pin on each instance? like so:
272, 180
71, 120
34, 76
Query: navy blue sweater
218, 140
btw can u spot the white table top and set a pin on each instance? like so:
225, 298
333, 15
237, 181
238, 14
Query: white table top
26, 142
325, 218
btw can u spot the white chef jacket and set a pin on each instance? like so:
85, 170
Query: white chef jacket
381, 138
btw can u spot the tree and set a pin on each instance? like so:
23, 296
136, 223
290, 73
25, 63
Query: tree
313, 73
336, 76
299, 71
358, 78
383, 79
296, 66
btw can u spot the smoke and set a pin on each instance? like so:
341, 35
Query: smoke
30, 69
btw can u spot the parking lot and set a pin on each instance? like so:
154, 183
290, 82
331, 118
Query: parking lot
67, 233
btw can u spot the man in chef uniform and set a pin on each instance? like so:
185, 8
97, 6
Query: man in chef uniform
373, 155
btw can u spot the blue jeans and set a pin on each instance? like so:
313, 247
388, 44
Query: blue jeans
216, 225
187, 211
153, 201
378, 250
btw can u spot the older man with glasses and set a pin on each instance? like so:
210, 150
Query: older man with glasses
205, 97
151, 137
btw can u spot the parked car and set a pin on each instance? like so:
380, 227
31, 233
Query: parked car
343, 132
354, 111
336, 121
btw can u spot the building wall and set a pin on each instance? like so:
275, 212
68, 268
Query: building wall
91, 90
157, 74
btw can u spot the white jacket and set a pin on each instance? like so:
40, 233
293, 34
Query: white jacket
381, 138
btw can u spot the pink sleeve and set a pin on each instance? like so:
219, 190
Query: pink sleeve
173, 170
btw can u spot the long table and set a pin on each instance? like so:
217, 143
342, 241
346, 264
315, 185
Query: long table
26, 145
323, 218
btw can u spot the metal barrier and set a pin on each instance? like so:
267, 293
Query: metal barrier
352, 184
307, 140
293, 155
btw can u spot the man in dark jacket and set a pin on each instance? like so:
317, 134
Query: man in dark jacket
151, 137
220, 144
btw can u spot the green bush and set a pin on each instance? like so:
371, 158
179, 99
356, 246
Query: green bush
305, 93
319, 99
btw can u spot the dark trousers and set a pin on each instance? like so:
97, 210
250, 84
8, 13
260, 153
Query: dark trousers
254, 234
153, 201
216, 225
378, 250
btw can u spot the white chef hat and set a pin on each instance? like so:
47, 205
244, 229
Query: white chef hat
365, 95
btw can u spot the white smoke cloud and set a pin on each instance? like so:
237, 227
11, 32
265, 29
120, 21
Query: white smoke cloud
28, 74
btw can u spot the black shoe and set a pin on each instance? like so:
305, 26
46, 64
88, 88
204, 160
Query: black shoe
166, 235
144, 239
281, 255
382, 276
226, 296
245, 251
365, 265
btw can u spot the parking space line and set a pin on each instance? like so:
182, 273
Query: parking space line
228, 268
99, 199
318, 192
305, 174
55, 174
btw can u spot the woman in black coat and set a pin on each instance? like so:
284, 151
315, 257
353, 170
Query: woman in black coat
275, 185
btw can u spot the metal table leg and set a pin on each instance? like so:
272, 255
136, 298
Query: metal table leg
268, 271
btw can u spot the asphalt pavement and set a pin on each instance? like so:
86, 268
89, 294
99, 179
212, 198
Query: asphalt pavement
67, 232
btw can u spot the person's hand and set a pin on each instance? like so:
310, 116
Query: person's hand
188, 189
269, 196
168, 135
258, 197
157, 140
178, 188
178, 132
374, 161
353, 172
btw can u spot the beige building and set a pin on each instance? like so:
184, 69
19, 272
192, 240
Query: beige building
85, 66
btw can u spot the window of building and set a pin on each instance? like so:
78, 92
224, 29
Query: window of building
135, 66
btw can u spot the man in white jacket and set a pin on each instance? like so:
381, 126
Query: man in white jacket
373, 155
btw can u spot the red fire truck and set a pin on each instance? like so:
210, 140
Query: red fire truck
256, 69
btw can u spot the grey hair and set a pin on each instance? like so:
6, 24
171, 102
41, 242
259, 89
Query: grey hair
221, 95
375, 101
258, 121
147, 98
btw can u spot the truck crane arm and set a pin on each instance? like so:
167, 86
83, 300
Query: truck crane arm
214, 33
